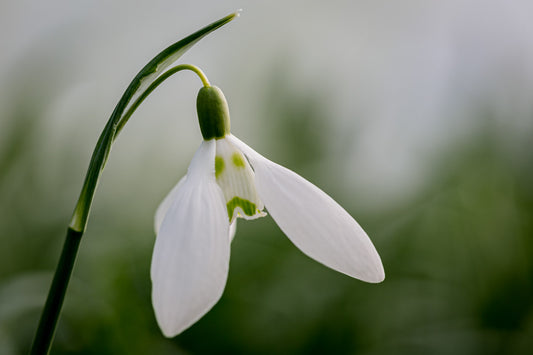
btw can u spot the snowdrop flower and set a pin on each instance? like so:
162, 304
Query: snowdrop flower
226, 180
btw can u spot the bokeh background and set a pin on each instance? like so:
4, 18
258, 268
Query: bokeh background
417, 116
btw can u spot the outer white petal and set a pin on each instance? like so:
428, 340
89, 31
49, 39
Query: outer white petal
191, 254
165, 205
313, 221
232, 230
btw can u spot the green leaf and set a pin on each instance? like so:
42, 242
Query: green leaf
163, 60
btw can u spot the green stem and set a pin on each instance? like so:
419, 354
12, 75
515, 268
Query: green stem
151, 76
47, 323
154, 85
150, 73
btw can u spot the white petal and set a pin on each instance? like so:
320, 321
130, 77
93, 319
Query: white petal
313, 221
236, 180
232, 230
191, 254
165, 205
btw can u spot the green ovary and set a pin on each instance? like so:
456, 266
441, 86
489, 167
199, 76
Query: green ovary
249, 208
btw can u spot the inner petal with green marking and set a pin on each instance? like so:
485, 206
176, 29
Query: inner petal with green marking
237, 181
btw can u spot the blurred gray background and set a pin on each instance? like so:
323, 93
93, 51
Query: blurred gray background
416, 116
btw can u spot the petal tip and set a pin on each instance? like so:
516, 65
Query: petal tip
375, 277
169, 332
378, 278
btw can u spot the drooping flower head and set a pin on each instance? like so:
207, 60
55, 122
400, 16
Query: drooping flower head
227, 180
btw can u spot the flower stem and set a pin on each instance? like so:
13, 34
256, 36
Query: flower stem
198, 72
56, 295
141, 86
124, 119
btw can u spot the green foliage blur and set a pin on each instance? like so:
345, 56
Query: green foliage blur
458, 255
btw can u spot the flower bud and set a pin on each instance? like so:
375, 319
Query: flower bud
213, 113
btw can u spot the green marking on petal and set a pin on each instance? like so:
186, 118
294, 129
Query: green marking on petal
238, 160
247, 207
219, 165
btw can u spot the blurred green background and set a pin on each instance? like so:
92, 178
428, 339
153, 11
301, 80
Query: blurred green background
416, 116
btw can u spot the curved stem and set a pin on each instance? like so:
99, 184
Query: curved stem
151, 75
153, 86
195, 69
